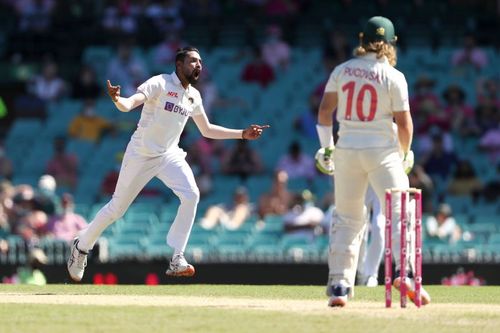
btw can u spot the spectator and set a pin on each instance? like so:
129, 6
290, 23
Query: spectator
303, 219
462, 278
165, 15
211, 97
458, 113
278, 200
305, 123
491, 191
34, 15
464, 181
490, 143
46, 198
86, 86
6, 204
66, 225
296, 163
63, 166
281, 8
111, 178
230, 216
120, 18
27, 221
88, 125
204, 152
337, 49
425, 141
31, 273
423, 102
488, 92
164, 52
258, 70
443, 226
242, 161
487, 117
48, 86
470, 54
127, 69
275, 51
6, 168
420, 179
439, 163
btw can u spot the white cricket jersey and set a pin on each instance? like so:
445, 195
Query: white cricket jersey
164, 114
369, 91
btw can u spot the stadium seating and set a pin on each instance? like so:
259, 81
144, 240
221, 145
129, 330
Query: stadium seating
150, 217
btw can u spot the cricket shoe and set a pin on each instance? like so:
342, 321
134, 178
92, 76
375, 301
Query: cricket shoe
179, 266
372, 282
339, 295
410, 290
77, 262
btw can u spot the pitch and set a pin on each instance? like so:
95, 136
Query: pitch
238, 308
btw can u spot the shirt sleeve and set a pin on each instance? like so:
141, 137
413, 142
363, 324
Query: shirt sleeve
399, 95
151, 88
331, 85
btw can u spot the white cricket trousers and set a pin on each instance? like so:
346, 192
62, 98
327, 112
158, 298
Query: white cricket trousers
354, 169
375, 249
136, 171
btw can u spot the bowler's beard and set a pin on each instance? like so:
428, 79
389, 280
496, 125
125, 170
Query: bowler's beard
192, 80
193, 77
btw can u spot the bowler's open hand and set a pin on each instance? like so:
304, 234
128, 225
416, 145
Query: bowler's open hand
253, 132
113, 92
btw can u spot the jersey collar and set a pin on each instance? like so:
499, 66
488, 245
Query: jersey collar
175, 78
373, 56
177, 81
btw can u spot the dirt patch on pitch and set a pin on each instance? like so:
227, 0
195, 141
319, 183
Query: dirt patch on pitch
304, 307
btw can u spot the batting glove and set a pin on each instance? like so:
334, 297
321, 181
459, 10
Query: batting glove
408, 161
324, 160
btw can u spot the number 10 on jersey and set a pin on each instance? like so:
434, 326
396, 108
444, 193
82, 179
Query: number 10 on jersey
359, 98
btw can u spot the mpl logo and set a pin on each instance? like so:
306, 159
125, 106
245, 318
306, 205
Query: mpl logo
172, 94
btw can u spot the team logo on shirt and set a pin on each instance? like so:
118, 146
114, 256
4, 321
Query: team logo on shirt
171, 107
172, 94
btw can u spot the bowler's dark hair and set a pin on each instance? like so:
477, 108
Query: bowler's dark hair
181, 53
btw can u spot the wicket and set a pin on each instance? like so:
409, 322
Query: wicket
405, 226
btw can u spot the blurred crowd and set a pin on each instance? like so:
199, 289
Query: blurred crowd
37, 213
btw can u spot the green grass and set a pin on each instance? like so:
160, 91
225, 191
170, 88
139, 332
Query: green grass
290, 309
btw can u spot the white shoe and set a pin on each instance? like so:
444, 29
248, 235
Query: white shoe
77, 262
372, 281
179, 266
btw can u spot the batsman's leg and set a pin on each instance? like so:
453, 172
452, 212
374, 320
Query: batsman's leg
348, 229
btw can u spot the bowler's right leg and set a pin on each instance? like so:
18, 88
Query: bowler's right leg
135, 172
